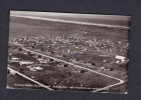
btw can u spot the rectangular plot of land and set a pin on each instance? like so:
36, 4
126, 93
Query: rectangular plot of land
59, 75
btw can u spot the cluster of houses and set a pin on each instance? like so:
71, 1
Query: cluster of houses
20, 61
111, 46
40, 40
29, 64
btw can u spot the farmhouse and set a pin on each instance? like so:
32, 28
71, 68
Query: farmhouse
120, 58
15, 59
25, 63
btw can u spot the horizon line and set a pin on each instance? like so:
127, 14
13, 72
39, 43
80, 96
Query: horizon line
74, 22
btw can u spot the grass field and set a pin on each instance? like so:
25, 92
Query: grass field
54, 75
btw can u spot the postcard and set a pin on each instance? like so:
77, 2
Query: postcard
68, 52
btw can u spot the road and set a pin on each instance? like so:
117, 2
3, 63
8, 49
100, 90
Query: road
120, 81
42, 85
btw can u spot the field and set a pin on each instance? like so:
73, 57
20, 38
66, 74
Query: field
21, 27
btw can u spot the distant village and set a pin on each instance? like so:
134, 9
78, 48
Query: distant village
70, 49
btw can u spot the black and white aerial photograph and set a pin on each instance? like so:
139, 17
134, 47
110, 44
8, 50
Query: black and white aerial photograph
68, 52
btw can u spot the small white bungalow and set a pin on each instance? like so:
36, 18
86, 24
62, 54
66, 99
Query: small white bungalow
25, 63
122, 58
15, 59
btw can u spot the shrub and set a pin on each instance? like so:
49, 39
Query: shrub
52, 52
51, 60
39, 56
20, 49
42, 49
111, 69
66, 65
82, 71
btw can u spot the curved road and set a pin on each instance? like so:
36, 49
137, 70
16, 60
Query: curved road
120, 81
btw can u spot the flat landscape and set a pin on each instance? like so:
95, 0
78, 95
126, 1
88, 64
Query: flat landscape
67, 56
